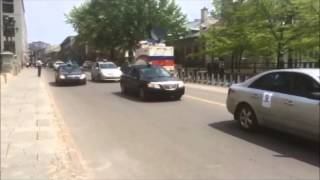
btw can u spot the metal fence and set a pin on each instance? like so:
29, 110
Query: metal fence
226, 77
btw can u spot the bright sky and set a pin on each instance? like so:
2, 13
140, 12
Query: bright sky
46, 18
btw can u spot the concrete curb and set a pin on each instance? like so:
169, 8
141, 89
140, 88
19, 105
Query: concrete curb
78, 165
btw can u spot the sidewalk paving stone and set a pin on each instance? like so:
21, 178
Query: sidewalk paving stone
32, 138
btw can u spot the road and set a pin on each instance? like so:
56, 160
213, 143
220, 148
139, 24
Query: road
120, 137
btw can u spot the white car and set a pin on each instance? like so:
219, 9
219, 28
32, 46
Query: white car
105, 71
287, 100
57, 64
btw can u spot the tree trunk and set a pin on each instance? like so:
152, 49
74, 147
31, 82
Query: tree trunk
232, 63
279, 56
112, 54
131, 57
290, 58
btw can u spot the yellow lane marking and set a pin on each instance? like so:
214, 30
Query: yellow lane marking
205, 101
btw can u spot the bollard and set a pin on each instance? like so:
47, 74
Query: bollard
225, 82
218, 79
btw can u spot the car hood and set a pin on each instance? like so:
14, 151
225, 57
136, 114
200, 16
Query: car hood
72, 72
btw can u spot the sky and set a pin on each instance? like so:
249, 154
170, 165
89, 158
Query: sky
46, 18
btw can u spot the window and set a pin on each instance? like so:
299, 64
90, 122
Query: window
277, 82
7, 8
108, 66
134, 73
153, 72
305, 86
9, 46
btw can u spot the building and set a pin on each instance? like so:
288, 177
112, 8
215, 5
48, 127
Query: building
51, 54
13, 33
188, 49
37, 50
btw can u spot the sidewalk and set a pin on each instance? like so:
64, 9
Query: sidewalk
35, 143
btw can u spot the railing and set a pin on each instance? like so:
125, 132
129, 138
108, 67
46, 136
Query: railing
226, 77
216, 79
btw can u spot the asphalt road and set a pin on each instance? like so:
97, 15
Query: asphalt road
195, 138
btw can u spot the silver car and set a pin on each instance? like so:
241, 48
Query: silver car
287, 100
105, 71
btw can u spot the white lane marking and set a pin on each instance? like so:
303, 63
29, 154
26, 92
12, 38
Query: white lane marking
204, 100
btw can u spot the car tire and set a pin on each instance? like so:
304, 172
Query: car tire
178, 97
142, 94
84, 82
246, 117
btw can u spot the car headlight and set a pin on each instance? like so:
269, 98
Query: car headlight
62, 76
82, 76
154, 86
181, 84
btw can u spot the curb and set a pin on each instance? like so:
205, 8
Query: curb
76, 158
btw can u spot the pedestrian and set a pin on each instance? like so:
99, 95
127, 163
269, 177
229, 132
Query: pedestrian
39, 66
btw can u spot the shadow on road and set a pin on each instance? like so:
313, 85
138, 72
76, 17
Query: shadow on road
288, 146
134, 97
103, 81
53, 84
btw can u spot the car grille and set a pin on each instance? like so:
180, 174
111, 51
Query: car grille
73, 76
169, 86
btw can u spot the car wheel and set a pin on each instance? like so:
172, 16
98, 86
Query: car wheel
84, 82
246, 117
177, 98
142, 94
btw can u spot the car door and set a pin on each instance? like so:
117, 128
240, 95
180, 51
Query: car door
271, 91
134, 80
303, 105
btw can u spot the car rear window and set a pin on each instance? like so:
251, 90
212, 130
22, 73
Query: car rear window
108, 66
154, 72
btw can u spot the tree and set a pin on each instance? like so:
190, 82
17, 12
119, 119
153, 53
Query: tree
267, 28
127, 22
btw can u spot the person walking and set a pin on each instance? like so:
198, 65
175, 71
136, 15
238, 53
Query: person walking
39, 66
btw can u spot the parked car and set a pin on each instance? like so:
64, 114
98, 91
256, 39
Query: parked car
151, 81
105, 71
70, 73
57, 64
288, 100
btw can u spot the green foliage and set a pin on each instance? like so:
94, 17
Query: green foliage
264, 28
123, 23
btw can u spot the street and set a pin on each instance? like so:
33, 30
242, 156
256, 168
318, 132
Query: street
121, 137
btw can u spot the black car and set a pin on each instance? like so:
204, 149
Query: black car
151, 81
70, 73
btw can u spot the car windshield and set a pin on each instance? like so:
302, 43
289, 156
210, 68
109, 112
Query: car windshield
152, 72
68, 68
108, 66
